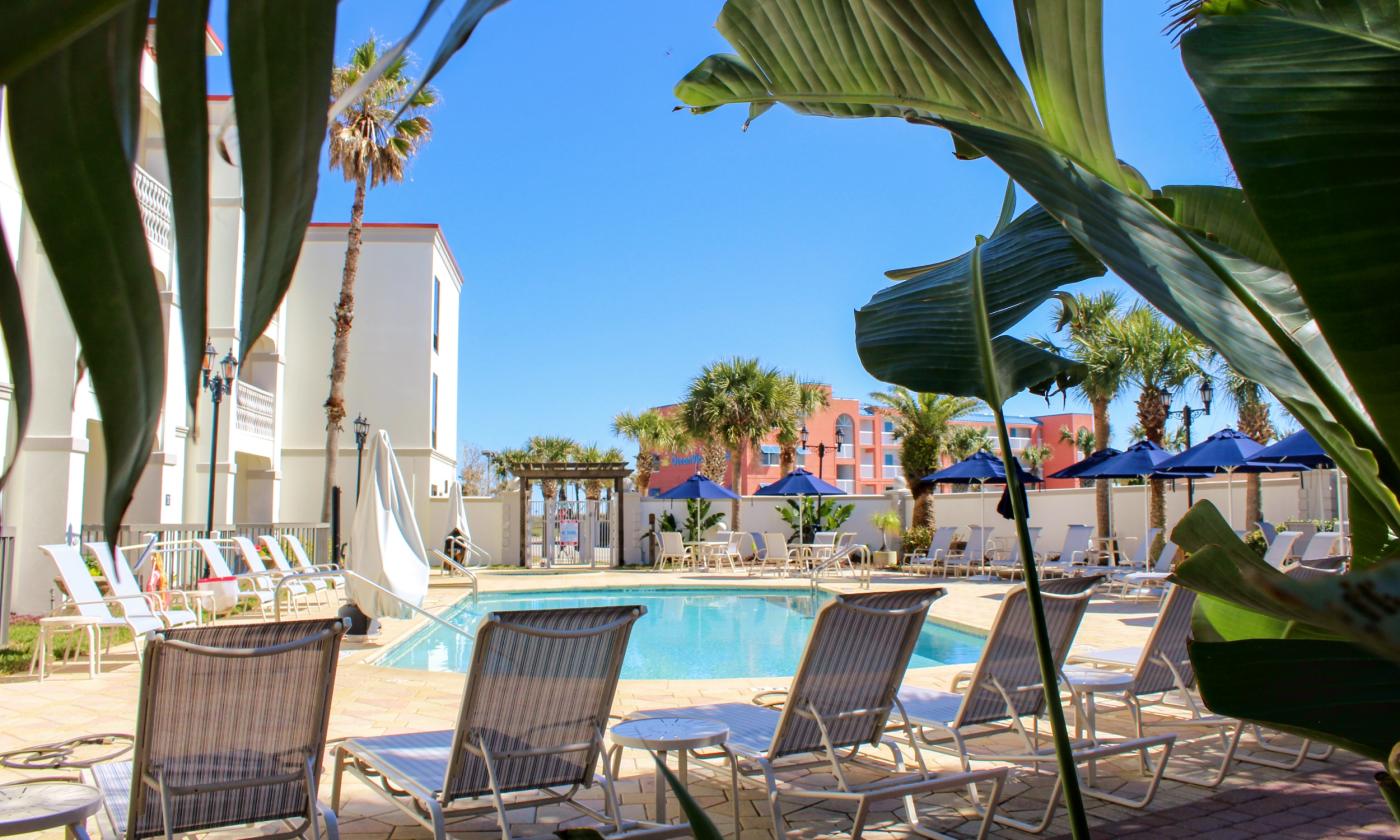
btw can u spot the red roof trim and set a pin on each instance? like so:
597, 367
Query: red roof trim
214, 36
220, 97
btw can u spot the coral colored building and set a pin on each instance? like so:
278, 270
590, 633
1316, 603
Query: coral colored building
868, 461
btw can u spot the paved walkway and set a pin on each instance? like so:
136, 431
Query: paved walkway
372, 700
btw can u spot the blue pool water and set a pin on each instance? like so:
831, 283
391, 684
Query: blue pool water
687, 634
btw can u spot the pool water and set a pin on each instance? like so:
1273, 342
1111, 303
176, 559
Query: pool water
686, 634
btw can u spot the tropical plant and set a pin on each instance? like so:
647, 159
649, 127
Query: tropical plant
1283, 276
72, 79
921, 425
1082, 439
1173, 437
371, 141
966, 441
698, 519
915, 539
1252, 420
654, 433
549, 449
888, 523
594, 454
1160, 358
734, 403
829, 515
1036, 455
804, 400
1087, 322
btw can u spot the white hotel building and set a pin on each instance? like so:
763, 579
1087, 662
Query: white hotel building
270, 459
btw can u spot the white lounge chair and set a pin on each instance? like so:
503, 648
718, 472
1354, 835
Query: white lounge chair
673, 552
841, 701
1321, 546
96, 609
937, 552
1281, 548
320, 586
256, 588
973, 554
1006, 687
1074, 553
1007, 561
298, 592
531, 724
1138, 562
1139, 583
122, 581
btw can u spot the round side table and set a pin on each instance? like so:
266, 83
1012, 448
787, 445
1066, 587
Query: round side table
29, 807
663, 735
1084, 683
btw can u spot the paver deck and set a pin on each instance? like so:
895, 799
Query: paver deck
372, 700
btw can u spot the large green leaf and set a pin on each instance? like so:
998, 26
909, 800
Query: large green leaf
280, 60
920, 333
80, 106
16, 335
1331, 691
180, 37
1222, 214
31, 30
1307, 100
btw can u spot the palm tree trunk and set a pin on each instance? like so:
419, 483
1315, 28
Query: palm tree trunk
1101, 488
340, 347
923, 506
787, 459
1153, 419
738, 484
643, 471
1252, 511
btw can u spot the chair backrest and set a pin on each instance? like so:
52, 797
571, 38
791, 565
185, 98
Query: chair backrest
824, 538
851, 686
1009, 657
1307, 529
223, 707
1305, 572
1320, 546
124, 586
299, 556
976, 547
1167, 641
775, 545
1269, 531
672, 544
941, 541
1167, 557
1013, 557
214, 557
1280, 548
1144, 549
78, 581
539, 691
1078, 540
249, 552
274, 550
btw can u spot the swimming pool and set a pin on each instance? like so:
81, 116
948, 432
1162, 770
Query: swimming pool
687, 633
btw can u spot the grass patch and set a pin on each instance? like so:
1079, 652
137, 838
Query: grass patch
24, 635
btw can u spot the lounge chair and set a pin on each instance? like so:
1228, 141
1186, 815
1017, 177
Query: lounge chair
841, 700
1006, 687
122, 581
1138, 562
1074, 553
87, 601
536, 705
320, 586
1322, 545
973, 554
301, 560
253, 587
298, 592
673, 551
230, 731
1269, 531
1281, 548
1139, 582
1007, 561
1162, 668
939, 545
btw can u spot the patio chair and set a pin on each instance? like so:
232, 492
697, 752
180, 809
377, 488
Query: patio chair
934, 556
302, 561
673, 551
256, 588
1139, 582
1074, 553
122, 581
1162, 667
1007, 561
230, 731
321, 587
96, 608
1332, 563
842, 700
1006, 687
538, 693
843, 553
1138, 562
1321, 546
1268, 530
777, 557
733, 551
1281, 548
298, 592
973, 554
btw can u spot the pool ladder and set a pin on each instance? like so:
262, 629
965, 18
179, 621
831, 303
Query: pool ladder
346, 573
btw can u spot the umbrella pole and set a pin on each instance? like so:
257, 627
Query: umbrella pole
1230, 494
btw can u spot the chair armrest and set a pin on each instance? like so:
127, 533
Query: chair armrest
773, 698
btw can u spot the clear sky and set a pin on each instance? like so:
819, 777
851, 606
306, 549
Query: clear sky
612, 247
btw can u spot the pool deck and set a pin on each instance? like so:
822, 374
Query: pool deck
1320, 799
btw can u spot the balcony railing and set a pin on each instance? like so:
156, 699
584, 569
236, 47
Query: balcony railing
253, 410
846, 450
892, 471
867, 470
887, 439
154, 199
846, 485
867, 437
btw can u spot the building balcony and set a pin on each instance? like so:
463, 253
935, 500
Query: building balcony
154, 200
892, 471
846, 450
887, 440
253, 411
846, 485
867, 470
867, 438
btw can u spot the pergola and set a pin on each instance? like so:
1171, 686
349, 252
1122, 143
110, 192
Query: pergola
614, 471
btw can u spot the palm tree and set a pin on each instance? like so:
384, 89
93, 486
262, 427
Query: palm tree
1160, 358
1036, 456
595, 454
370, 143
733, 404
965, 441
549, 449
1087, 322
1082, 440
1252, 419
654, 433
805, 399
922, 424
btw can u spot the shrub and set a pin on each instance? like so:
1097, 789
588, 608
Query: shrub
916, 539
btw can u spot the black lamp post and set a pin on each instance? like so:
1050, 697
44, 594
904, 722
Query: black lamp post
1189, 413
490, 457
821, 447
361, 435
217, 382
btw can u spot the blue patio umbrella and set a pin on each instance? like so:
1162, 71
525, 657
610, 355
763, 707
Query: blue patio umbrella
1076, 470
981, 468
1226, 451
1298, 448
1141, 460
698, 487
800, 482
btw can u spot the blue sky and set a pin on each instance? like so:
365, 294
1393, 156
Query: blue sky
612, 247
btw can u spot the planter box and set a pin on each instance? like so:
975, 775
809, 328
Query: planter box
882, 559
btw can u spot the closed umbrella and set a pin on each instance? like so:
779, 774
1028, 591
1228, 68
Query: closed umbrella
801, 483
385, 545
1226, 452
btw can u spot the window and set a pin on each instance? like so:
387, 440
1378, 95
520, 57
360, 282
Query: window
769, 455
433, 434
1019, 432
437, 305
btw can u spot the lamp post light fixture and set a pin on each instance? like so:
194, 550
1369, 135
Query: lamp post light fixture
217, 382
822, 447
361, 435
1189, 413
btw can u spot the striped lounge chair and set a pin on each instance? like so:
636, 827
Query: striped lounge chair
1006, 687
230, 731
532, 720
841, 700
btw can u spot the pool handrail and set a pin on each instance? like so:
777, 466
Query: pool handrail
347, 573
444, 558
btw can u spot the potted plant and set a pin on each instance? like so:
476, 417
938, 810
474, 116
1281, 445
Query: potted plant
889, 524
